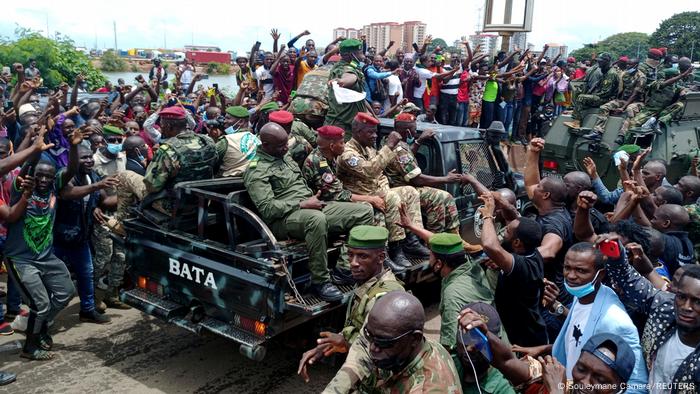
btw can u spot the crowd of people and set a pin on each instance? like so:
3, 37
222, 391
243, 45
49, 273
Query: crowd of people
598, 292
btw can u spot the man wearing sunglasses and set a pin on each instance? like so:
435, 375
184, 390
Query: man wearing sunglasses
366, 254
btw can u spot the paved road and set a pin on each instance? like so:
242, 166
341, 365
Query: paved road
140, 354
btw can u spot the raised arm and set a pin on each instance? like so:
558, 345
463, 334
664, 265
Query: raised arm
11, 214
294, 39
532, 171
583, 228
276, 63
489, 237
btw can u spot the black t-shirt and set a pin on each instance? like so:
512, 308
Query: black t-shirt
600, 224
518, 295
135, 166
678, 251
558, 222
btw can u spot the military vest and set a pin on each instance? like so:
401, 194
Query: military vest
241, 148
661, 98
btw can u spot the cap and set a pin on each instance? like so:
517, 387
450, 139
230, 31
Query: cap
271, 106
332, 132
26, 108
623, 59
446, 243
112, 130
368, 237
629, 148
405, 117
410, 107
174, 112
489, 315
543, 61
350, 45
364, 117
281, 117
571, 59
654, 53
604, 56
624, 361
237, 112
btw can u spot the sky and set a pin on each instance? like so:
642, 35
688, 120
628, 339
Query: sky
232, 26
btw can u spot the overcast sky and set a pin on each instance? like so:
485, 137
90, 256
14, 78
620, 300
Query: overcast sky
232, 25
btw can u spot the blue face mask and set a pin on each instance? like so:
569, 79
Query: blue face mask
410, 140
140, 157
230, 130
583, 290
114, 148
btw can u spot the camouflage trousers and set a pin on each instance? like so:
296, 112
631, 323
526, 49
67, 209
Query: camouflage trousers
584, 102
605, 109
356, 371
393, 199
666, 115
109, 259
131, 190
439, 208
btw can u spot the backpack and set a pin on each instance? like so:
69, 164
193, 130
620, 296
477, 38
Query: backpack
312, 94
380, 91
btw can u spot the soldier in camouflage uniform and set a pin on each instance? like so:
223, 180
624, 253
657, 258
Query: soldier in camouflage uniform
403, 359
284, 201
310, 104
367, 251
298, 145
605, 91
349, 75
437, 205
361, 167
634, 83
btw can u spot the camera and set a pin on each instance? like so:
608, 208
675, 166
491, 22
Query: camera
217, 123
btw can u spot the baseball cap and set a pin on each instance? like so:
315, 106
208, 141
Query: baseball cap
623, 364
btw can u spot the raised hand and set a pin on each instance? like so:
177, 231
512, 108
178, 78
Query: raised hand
275, 34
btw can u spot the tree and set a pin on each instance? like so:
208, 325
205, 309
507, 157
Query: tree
56, 58
111, 62
679, 34
435, 43
630, 44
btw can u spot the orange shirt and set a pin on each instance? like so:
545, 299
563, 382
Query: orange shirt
301, 71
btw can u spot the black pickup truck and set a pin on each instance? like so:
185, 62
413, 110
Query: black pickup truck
221, 270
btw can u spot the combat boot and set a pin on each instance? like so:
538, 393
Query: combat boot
395, 268
112, 300
342, 277
100, 305
326, 291
397, 256
412, 247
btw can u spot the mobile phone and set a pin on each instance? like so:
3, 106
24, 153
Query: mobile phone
124, 107
216, 86
476, 338
9, 104
610, 249
42, 90
205, 76
139, 78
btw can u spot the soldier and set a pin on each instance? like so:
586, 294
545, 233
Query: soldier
288, 206
237, 147
599, 94
182, 156
299, 147
438, 205
348, 73
659, 105
361, 167
404, 360
367, 251
110, 258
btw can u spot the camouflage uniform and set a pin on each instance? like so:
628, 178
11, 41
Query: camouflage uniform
659, 103
357, 365
341, 115
299, 147
312, 94
301, 129
276, 187
438, 205
694, 227
631, 84
432, 371
598, 97
361, 170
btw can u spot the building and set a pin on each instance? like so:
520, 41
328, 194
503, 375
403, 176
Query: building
346, 32
555, 49
486, 41
518, 40
380, 34
413, 31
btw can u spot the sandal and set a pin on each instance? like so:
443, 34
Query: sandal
45, 342
37, 355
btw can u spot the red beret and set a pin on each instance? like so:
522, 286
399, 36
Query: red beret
281, 117
655, 53
334, 58
405, 117
623, 59
571, 59
329, 131
664, 51
366, 118
174, 112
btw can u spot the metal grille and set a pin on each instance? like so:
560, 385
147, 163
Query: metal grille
476, 161
310, 301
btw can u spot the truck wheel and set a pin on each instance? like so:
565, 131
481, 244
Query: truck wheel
255, 353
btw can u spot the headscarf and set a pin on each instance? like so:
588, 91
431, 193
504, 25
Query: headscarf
61, 145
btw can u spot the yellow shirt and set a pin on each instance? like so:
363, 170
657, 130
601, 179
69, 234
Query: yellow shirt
303, 69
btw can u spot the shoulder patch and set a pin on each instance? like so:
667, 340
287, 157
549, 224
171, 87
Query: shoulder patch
353, 161
253, 163
323, 163
328, 177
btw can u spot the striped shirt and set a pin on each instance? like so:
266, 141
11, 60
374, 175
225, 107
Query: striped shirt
450, 86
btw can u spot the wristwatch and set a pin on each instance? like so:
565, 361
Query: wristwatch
557, 309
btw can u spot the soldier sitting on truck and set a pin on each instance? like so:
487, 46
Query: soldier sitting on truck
284, 201
367, 251
237, 147
183, 156
597, 94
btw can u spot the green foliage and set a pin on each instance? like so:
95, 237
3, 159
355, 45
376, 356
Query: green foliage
134, 68
454, 50
630, 44
434, 44
218, 68
110, 61
56, 58
679, 33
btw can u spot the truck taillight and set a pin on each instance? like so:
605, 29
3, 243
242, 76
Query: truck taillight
150, 285
257, 327
550, 165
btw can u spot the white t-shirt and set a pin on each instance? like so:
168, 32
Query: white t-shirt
574, 334
668, 359
264, 78
393, 88
423, 74
187, 75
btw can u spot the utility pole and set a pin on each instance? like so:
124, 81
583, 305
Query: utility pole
114, 25
48, 35
165, 43
692, 49
639, 43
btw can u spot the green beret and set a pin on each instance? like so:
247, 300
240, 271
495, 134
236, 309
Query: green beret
368, 237
271, 106
113, 130
670, 73
630, 148
350, 45
237, 112
446, 243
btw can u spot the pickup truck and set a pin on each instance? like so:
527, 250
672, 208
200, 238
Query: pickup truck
221, 270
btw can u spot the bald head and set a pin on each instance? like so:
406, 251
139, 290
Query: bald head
395, 313
576, 182
133, 142
669, 217
689, 185
274, 139
556, 189
508, 195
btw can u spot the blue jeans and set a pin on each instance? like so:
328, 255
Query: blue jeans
507, 114
448, 109
488, 114
517, 106
78, 260
462, 113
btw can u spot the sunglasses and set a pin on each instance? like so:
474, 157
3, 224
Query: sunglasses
113, 139
384, 343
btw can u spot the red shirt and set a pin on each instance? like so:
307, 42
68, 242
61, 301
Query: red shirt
463, 89
580, 73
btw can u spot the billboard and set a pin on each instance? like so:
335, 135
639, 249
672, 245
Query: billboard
508, 15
